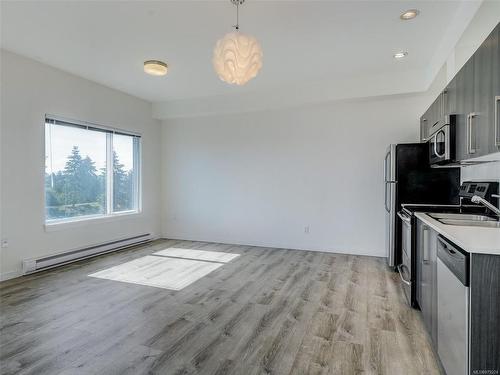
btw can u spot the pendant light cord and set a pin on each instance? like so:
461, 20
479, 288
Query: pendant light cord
237, 26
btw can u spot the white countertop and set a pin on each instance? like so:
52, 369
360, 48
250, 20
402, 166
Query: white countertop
479, 240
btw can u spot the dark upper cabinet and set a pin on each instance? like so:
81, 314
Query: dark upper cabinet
434, 118
424, 127
486, 89
464, 96
474, 96
451, 96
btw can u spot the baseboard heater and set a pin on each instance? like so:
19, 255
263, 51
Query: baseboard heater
40, 264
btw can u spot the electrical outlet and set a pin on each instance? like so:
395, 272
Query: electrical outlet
5, 243
306, 229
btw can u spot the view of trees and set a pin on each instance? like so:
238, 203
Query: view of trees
80, 189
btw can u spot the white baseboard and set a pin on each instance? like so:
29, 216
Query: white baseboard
17, 273
273, 245
10, 275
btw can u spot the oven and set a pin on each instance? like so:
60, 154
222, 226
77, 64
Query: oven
405, 267
442, 143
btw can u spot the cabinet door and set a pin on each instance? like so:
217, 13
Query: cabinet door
496, 88
486, 89
496, 91
464, 91
435, 115
433, 241
419, 252
451, 97
426, 277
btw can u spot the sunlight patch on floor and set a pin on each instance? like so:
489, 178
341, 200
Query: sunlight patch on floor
211, 256
172, 268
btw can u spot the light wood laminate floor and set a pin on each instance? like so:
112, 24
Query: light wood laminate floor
267, 311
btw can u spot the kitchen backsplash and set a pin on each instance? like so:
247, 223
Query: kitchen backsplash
481, 172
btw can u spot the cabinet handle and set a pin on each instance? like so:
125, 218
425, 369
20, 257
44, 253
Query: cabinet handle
424, 130
497, 123
425, 240
445, 100
470, 148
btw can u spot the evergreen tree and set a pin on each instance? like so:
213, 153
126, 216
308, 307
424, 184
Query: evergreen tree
121, 186
79, 185
80, 189
72, 191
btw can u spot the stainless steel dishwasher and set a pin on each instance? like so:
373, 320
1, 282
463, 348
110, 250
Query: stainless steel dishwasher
453, 307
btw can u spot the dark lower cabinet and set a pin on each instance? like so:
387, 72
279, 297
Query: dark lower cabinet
484, 301
485, 314
426, 277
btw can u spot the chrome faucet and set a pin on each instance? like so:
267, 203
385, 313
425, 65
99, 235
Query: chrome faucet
484, 202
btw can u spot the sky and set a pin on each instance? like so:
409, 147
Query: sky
59, 141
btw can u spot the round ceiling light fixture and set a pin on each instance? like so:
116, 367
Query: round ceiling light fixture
155, 67
237, 57
400, 55
409, 14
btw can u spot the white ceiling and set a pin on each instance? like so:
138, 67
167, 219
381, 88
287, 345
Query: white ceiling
303, 41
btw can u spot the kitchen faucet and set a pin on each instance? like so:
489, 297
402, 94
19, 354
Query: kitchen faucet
484, 202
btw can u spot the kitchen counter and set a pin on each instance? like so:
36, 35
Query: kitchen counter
478, 240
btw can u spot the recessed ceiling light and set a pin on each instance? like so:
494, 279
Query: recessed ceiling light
155, 67
400, 55
409, 14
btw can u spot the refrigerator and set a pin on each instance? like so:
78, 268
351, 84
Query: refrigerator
409, 178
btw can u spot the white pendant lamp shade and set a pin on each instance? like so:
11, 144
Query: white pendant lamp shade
237, 58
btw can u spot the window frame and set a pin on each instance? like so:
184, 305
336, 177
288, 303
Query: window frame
110, 214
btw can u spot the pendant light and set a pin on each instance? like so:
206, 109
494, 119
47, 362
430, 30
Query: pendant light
237, 56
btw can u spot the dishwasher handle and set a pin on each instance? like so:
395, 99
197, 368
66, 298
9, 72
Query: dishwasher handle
456, 259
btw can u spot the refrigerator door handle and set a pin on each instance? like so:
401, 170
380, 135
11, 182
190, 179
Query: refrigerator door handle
385, 165
385, 198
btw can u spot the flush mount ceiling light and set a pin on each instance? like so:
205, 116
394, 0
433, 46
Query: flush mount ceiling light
237, 57
155, 67
409, 14
400, 55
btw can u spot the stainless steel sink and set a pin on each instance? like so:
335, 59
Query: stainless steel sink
459, 217
472, 223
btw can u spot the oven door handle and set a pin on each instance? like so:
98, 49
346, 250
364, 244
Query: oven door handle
400, 270
403, 217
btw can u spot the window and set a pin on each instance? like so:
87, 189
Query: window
90, 171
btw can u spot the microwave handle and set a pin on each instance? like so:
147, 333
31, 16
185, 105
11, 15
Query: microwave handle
434, 143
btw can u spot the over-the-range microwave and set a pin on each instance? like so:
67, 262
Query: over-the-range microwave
442, 142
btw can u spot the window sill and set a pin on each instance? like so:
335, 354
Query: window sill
80, 222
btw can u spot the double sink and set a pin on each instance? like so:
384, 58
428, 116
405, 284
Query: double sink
466, 220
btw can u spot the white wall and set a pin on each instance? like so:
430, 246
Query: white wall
260, 178
29, 90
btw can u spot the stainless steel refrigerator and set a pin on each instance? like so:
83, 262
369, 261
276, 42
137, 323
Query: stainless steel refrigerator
409, 178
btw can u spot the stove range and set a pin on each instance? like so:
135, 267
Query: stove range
408, 266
